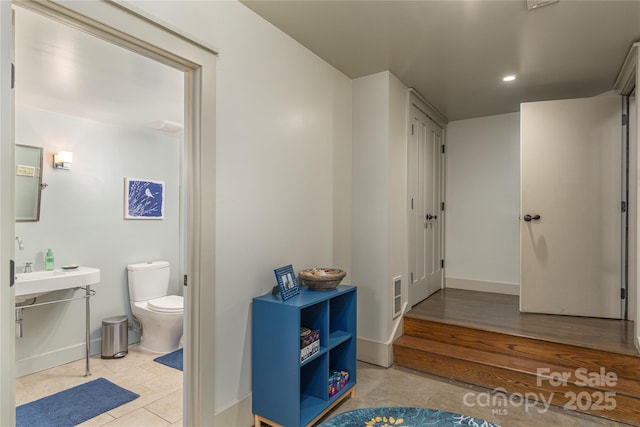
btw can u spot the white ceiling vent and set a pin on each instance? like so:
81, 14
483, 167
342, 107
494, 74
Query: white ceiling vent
535, 4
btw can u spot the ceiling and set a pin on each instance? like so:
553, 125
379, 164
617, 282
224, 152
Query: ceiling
61, 69
455, 53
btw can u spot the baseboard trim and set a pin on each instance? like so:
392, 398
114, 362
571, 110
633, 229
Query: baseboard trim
236, 414
57, 357
381, 353
375, 352
482, 286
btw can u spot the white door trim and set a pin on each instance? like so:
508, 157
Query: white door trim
126, 27
7, 221
626, 84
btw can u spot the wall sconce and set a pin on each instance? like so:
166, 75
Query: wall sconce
62, 160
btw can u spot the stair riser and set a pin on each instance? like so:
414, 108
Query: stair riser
542, 351
602, 380
627, 409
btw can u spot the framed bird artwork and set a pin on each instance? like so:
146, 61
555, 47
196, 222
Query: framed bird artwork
143, 199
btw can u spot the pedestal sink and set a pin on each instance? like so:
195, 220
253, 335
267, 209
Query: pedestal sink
32, 285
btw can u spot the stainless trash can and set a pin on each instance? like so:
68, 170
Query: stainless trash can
115, 342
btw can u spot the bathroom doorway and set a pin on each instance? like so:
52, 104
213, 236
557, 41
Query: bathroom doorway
125, 28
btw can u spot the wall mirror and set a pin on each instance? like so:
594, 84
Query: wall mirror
28, 182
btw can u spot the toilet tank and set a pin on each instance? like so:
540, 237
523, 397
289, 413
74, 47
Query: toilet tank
148, 280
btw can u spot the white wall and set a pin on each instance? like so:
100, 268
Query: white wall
483, 203
379, 206
283, 171
370, 201
82, 221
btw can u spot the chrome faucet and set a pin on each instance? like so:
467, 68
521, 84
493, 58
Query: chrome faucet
20, 244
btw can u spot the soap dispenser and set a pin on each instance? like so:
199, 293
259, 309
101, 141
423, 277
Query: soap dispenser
48, 260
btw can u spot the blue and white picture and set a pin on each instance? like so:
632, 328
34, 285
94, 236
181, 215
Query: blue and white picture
144, 199
287, 283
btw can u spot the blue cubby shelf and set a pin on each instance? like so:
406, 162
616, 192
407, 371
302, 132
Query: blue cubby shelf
293, 393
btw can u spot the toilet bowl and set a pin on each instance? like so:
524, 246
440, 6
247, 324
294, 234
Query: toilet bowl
160, 315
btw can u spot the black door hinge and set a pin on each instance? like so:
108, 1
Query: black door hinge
441, 206
13, 75
411, 129
623, 293
624, 207
625, 120
412, 203
411, 277
441, 263
12, 272
185, 280
443, 149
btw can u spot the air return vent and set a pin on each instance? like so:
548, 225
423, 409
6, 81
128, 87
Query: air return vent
397, 296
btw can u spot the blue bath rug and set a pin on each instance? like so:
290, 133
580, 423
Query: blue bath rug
173, 359
73, 406
403, 417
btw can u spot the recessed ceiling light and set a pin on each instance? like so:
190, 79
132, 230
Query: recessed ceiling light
535, 4
509, 78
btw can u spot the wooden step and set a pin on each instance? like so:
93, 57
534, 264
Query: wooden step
626, 386
510, 364
545, 352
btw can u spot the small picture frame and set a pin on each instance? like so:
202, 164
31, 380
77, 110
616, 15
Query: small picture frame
143, 199
287, 282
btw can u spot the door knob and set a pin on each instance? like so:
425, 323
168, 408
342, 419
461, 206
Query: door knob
529, 217
430, 217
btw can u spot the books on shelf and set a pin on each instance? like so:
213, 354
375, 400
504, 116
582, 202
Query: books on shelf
309, 342
337, 381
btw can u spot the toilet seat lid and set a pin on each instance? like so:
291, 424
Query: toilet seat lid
166, 304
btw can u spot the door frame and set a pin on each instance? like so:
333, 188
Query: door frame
7, 220
626, 84
418, 101
131, 29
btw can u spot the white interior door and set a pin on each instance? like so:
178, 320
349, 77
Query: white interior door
571, 216
425, 219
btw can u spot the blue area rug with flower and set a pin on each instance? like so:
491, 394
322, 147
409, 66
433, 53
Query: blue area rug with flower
403, 417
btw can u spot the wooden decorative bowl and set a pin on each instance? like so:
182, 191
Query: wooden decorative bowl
322, 279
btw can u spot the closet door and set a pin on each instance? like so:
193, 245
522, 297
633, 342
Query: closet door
425, 196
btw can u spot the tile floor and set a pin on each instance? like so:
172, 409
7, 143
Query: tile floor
159, 387
160, 390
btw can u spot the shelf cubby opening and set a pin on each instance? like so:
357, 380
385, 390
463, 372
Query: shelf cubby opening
342, 314
314, 377
316, 317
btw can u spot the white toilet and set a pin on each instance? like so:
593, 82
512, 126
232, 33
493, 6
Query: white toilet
159, 314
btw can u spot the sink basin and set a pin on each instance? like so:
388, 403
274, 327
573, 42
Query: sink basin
32, 285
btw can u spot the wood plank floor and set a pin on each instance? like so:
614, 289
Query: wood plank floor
501, 313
